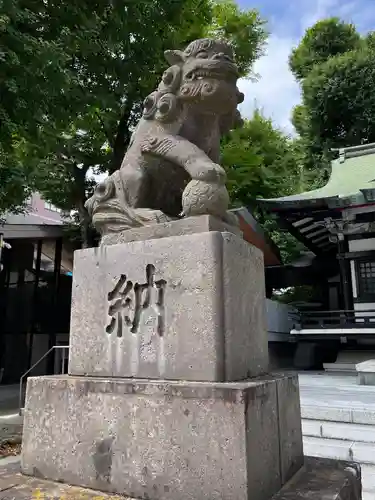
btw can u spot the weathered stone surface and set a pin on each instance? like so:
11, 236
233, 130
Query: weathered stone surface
157, 440
171, 165
334, 480
182, 227
15, 486
211, 325
366, 372
290, 426
243, 304
321, 478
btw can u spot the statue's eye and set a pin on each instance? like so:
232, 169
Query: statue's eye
202, 55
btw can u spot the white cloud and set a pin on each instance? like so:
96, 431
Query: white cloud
277, 92
319, 9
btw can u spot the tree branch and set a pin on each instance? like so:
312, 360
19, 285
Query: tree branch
106, 131
122, 139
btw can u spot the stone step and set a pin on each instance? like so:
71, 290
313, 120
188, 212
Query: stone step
314, 379
327, 448
347, 360
338, 449
338, 422
341, 403
338, 413
340, 367
338, 430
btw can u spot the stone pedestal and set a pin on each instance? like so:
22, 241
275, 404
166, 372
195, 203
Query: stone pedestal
183, 308
183, 227
162, 331
164, 440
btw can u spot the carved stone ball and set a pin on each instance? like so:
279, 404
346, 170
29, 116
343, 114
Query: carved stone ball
200, 198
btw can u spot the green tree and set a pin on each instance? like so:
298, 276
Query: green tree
314, 156
65, 59
335, 66
245, 29
29, 88
33, 75
262, 162
111, 70
326, 39
14, 179
63, 174
340, 99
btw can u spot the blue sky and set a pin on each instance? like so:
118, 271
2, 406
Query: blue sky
276, 91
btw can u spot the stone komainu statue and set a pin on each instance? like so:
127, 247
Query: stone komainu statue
171, 167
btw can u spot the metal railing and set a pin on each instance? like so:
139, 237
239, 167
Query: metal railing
57, 347
333, 319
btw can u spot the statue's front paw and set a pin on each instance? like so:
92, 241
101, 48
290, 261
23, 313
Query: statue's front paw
149, 144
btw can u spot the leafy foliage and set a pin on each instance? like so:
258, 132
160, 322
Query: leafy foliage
14, 186
90, 64
336, 68
33, 76
61, 60
262, 162
63, 170
326, 39
243, 28
340, 98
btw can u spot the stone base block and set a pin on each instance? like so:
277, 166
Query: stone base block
161, 440
182, 227
181, 308
318, 479
366, 372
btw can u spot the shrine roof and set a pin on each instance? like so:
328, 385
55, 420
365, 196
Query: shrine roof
351, 183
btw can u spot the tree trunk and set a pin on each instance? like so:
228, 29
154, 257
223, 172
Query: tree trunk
80, 195
121, 141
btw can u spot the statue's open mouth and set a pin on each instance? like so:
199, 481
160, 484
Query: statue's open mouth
216, 72
109, 207
112, 214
